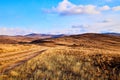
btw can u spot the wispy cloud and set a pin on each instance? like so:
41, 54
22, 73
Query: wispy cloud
67, 8
13, 31
104, 8
117, 8
105, 24
108, 0
107, 20
108, 25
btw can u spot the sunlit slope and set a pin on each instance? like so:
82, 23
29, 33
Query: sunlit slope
12, 54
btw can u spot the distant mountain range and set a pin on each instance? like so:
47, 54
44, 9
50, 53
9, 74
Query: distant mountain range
34, 36
26, 38
114, 34
44, 35
60, 35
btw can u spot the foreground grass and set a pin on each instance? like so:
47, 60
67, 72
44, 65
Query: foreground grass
12, 54
64, 63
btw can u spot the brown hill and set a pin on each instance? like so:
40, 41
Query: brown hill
26, 38
6, 39
16, 39
87, 40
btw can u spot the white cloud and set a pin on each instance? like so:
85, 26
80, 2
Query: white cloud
104, 8
13, 31
117, 8
67, 8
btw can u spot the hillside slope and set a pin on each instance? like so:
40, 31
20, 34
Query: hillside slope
87, 40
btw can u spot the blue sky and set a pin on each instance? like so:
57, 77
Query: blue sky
59, 16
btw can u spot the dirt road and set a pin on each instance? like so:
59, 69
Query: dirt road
10, 61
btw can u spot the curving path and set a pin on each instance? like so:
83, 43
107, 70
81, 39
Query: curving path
15, 59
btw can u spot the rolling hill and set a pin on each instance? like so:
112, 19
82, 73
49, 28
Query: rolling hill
87, 40
25, 38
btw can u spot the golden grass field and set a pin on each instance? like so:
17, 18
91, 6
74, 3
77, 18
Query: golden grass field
86, 57
7, 48
11, 54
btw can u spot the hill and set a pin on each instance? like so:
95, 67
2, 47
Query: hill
87, 40
7, 39
26, 38
15, 39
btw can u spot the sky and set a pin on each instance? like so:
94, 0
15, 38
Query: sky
20, 17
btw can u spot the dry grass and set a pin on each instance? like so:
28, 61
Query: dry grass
7, 48
75, 58
64, 63
11, 54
